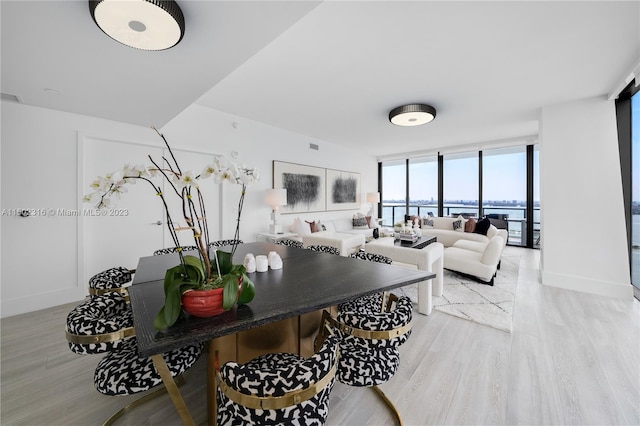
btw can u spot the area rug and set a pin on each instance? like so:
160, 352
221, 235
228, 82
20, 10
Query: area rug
481, 303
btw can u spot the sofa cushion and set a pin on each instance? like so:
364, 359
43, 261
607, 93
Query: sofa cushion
483, 226
427, 222
359, 222
300, 227
493, 251
458, 225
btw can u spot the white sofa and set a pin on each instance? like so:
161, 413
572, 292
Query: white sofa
346, 243
345, 226
474, 258
443, 230
428, 259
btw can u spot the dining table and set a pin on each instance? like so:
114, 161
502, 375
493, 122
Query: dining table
308, 281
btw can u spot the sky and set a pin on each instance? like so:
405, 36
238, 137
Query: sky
504, 177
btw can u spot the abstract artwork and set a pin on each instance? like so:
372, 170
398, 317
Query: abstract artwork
305, 186
343, 190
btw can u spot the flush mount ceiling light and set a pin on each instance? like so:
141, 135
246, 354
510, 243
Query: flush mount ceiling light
142, 24
412, 115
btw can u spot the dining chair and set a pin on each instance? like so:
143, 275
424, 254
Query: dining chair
372, 328
278, 388
112, 280
221, 243
324, 249
289, 243
103, 324
170, 250
371, 257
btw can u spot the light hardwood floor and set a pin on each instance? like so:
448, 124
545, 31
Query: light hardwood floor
572, 359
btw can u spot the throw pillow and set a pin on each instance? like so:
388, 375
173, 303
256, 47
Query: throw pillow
458, 224
313, 226
359, 222
470, 226
482, 226
300, 228
427, 223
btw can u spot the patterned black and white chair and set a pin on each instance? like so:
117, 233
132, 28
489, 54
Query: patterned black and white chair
324, 249
372, 330
289, 243
371, 257
278, 388
112, 280
222, 243
103, 324
170, 250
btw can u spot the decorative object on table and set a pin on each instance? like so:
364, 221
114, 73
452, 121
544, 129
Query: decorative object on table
194, 273
275, 261
276, 198
262, 263
250, 263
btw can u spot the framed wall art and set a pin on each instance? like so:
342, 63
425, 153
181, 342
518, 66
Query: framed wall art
305, 186
343, 190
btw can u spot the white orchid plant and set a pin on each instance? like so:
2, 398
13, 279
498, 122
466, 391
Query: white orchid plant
194, 272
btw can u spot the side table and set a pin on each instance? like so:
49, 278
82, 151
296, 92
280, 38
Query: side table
272, 238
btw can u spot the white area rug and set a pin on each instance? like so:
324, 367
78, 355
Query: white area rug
481, 303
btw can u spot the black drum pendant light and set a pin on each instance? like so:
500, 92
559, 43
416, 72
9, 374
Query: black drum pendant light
412, 115
141, 24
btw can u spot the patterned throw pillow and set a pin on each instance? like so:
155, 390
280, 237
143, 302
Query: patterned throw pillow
359, 222
427, 222
457, 225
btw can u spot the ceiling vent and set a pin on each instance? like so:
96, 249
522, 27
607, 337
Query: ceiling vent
11, 98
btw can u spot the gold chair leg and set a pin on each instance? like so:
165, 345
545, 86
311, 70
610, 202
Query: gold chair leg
389, 403
138, 402
172, 389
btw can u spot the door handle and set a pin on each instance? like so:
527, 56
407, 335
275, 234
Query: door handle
157, 223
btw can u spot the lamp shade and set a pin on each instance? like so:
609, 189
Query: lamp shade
412, 115
141, 24
276, 197
373, 197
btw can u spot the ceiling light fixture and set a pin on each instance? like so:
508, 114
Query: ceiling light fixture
142, 24
412, 115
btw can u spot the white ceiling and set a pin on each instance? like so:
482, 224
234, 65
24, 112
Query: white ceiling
332, 70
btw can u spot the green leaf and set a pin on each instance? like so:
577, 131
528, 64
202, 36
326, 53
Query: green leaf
225, 262
230, 294
195, 264
159, 323
248, 290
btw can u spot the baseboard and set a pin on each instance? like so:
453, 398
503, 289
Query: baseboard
23, 305
587, 285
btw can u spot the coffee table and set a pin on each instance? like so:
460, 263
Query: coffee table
421, 242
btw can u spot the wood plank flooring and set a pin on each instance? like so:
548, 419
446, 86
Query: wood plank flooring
573, 359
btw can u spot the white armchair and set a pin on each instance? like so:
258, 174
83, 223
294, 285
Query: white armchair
427, 259
468, 260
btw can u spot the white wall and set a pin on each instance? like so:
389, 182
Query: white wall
39, 170
584, 243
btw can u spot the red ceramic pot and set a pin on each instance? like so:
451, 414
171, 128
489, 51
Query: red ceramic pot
205, 303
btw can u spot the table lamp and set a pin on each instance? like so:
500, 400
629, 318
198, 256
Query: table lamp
275, 198
373, 197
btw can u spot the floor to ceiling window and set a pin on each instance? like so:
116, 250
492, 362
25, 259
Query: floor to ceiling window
423, 186
394, 191
460, 184
501, 183
504, 190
